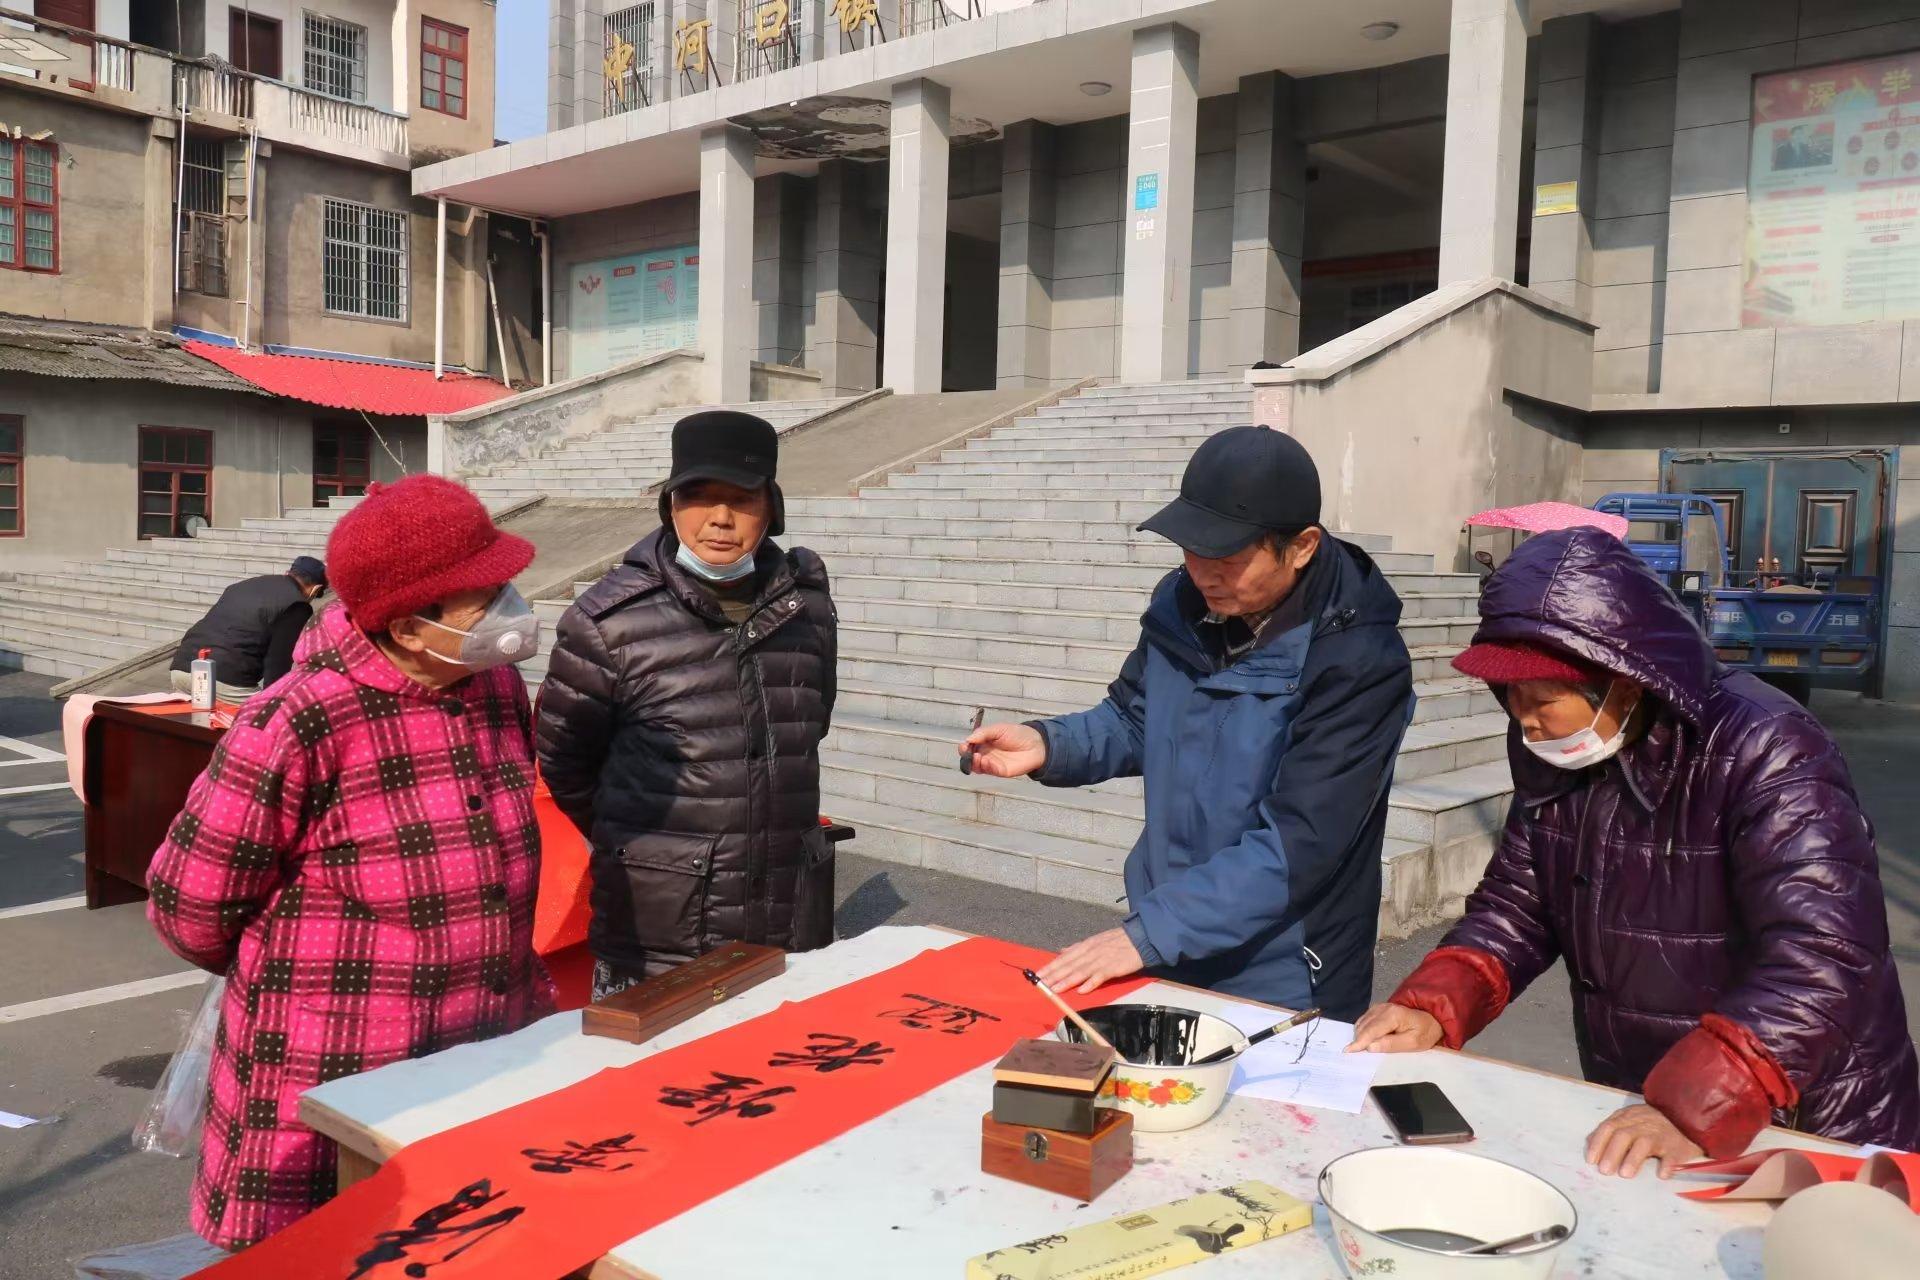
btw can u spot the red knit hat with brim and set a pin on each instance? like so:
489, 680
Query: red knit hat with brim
1504, 662
418, 540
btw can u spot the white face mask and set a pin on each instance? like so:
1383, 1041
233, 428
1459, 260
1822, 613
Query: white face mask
740, 570
1587, 747
507, 632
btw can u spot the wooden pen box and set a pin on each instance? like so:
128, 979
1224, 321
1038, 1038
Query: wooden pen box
1077, 1165
1050, 1084
644, 1010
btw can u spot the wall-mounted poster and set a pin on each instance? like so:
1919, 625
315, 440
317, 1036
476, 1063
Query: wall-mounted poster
1833, 195
621, 309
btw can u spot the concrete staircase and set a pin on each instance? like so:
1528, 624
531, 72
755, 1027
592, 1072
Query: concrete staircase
624, 463
86, 616
1008, 573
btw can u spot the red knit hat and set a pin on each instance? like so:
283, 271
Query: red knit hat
415, 541
1503, 662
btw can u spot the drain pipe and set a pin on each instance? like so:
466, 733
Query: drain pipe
546, 303
253, 215
439, 291
179, 199
499, 331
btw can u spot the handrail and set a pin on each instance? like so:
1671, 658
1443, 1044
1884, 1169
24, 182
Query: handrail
112, 58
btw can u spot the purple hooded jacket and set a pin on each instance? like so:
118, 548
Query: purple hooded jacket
1719, 864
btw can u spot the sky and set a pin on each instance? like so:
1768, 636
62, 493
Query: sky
520, 69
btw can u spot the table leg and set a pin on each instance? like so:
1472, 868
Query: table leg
353, 1168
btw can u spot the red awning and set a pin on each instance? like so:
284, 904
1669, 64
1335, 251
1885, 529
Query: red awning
351, 384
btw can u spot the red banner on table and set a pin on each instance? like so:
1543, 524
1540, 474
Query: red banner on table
544, 1188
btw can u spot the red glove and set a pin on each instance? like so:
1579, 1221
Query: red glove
1464, 988
1719, 1086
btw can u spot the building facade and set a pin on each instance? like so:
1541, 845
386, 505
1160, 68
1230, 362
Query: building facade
234, 176
939, 194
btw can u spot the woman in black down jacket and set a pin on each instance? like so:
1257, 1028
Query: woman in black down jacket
680, 723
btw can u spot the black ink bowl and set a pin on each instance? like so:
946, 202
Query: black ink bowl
1154, 1079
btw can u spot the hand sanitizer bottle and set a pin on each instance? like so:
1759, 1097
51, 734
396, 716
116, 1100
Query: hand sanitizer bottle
200, 670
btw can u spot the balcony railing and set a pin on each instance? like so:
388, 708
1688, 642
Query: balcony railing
286, 113
112, 59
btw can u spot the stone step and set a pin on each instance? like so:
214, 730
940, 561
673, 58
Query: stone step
977, 508
1014, 441
172, 583
65, 643
1114, 625
1061, 469
1444, 807
927, 691
131, 626
83, 597
1439, 746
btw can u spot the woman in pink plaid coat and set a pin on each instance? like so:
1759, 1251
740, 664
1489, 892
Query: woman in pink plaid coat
360, 857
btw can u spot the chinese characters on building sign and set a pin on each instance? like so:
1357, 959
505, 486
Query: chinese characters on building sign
1833, 195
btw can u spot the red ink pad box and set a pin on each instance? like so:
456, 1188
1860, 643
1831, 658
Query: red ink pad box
1050, 1084
1077, 1165
644, 1010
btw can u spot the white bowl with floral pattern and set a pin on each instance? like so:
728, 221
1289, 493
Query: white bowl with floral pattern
1155, 1079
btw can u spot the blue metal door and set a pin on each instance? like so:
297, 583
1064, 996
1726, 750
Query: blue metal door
1792, 515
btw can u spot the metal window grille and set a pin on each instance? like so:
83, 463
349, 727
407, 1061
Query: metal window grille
203, 253
925, 15
336, 58
364, 266
203, 186
629, 79
783, 40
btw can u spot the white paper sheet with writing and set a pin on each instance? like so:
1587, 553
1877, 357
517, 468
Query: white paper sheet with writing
1326, 1075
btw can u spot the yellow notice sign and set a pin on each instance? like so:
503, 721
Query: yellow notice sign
1556, 197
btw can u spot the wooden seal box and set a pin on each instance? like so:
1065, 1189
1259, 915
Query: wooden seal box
1050, 1084
1077, 1165
644, 1010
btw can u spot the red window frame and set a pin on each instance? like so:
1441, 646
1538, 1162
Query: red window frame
451, 50
343, 481
16, 458
175, 461
15, 201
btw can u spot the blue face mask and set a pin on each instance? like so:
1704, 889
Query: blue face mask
719, 574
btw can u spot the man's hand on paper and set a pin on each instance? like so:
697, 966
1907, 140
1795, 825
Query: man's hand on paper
1085, 965
1634, 1135
1394, 1028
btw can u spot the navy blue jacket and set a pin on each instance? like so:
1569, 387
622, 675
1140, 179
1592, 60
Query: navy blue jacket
1258, 872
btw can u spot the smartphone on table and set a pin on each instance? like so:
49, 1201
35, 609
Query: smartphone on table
1420, 1114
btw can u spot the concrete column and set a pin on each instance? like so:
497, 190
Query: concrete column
664, 84
916, 237
1028, 186
846, 299
1269, 223
589, 60
561, 18
726, 264
1486, 95
778, 248
1567, 149
1157, 285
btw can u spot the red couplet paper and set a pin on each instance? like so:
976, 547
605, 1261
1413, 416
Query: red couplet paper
544, 1188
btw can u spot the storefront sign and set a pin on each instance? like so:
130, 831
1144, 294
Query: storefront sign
625, 308
853, 14
1146, 191
690, 46
770, 23
1833, 200
1556, 197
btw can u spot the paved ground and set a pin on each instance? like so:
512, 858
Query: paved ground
73, 1184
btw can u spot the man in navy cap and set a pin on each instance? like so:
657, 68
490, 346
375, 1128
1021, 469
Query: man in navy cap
1263, 705
251, 630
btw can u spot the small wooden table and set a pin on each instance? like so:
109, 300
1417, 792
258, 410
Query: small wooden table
902, 1196
140, 764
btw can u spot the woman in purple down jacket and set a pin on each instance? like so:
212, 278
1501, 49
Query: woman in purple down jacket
1688, 840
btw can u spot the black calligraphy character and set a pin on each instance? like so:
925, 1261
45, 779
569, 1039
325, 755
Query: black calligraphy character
930, 1014
827, 1053
436, 1226
576, 1155
719, 1098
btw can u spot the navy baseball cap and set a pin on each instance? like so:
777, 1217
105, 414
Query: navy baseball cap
310, 569
1241, 483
